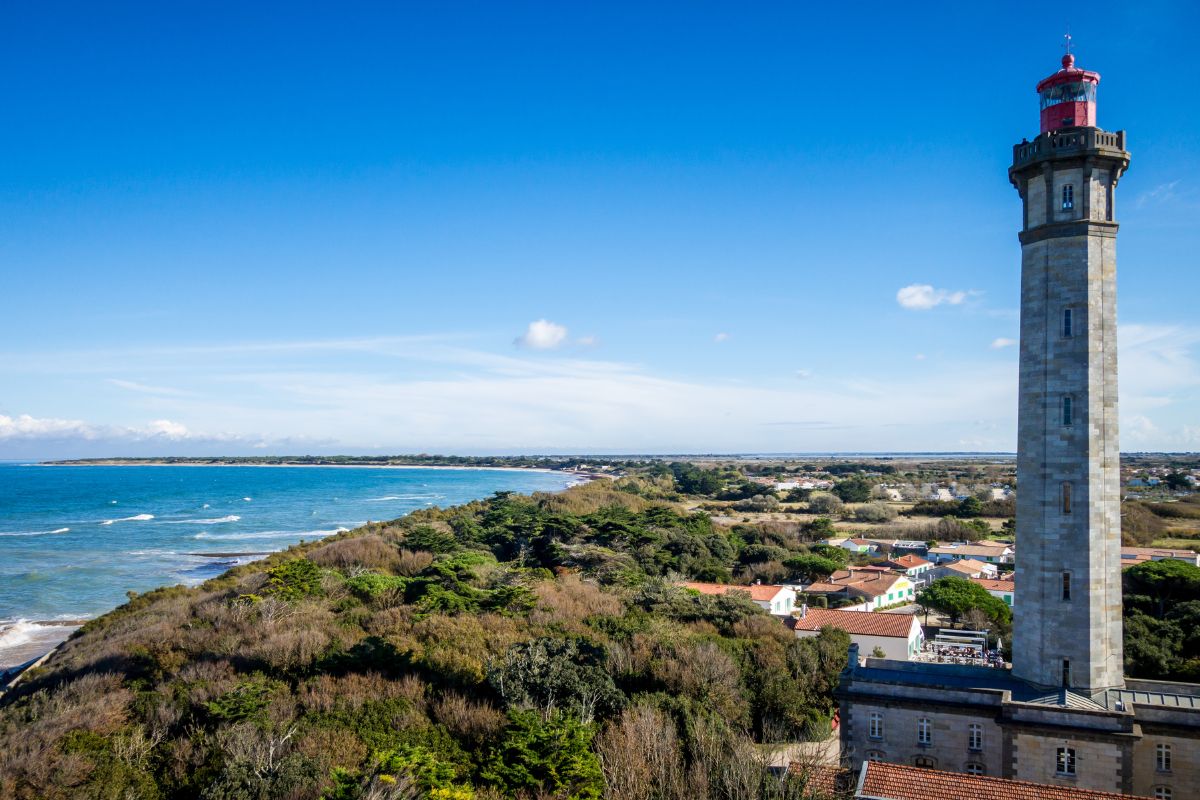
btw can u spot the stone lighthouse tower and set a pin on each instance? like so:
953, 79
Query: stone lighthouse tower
1067, 611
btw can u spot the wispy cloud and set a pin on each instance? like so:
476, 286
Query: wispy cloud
143, 388
1162, 193
721, 337
1001, 342
922, 297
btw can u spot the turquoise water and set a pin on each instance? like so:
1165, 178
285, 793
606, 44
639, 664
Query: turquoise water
74, 540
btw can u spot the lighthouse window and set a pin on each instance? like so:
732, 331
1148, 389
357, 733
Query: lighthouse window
1066, 578
1066, 673
1066, 323
1081, 92
1066, 410
1068, 197
1066, 498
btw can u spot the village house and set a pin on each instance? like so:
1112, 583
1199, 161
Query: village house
895, 636
872, 587
1131, 556
986, 551
855, 545
1000, 588
777, 600
964, 568
913, 567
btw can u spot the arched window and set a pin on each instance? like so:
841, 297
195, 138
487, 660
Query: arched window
1163, 793
1066, 498
876, 755
974, 768
925, 761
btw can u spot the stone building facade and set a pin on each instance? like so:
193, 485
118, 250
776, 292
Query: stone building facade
1064, 714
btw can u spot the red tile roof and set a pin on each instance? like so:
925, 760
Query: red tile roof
821, 587
881, 781
996, 586
763, 593
909, 561
820, 780
865, 623
966, 566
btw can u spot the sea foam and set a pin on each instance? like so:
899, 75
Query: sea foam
234, 537
216, 521
134, 518
36, 533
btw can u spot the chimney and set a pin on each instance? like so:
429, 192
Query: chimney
803, 610
852, 657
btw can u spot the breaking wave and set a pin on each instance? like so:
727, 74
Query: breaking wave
36, 533
135, 518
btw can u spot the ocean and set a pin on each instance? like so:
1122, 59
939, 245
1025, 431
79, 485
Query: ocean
75, 539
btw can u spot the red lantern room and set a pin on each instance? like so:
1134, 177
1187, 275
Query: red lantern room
1068, 97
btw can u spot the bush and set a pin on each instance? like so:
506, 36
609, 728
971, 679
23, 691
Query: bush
824, 504
874, 512
551, 757
294, 579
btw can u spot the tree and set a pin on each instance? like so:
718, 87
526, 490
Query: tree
549, 675
956, 596
545, 757
969, 507
1165, 581
853, 490
1176, 481
810, 568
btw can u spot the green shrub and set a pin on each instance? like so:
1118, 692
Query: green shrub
294, 579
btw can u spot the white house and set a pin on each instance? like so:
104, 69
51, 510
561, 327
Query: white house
899, 636
777, 600
914, 567
964, 568
988, 552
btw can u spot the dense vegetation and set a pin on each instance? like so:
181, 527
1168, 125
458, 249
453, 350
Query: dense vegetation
516, 647
1162, 620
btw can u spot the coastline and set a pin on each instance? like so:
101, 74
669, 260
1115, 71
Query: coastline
26, 641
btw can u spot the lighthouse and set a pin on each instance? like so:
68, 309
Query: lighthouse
1067, 629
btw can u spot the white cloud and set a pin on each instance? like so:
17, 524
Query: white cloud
587, 341
922, 297
721, 337
27, 427
803, 374
430, 393
542, 334
1001, 342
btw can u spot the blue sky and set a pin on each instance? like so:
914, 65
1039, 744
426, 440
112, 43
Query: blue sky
558, 227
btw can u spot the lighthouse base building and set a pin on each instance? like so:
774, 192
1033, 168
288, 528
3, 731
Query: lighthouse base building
1065, 714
